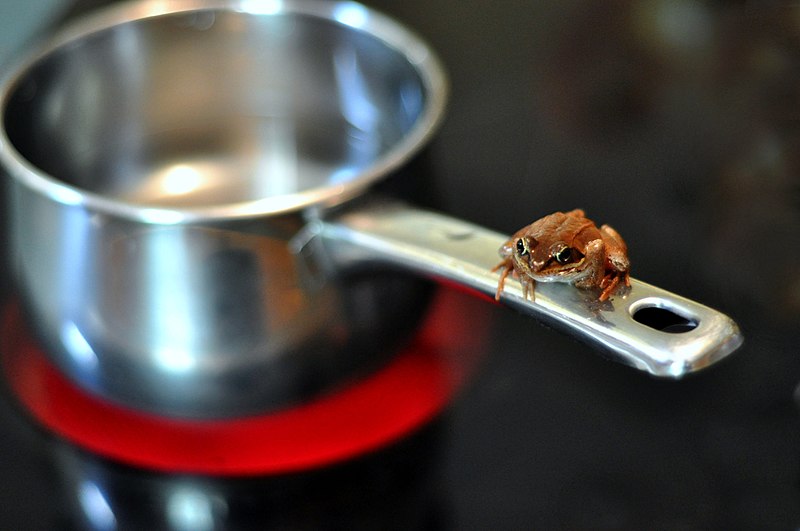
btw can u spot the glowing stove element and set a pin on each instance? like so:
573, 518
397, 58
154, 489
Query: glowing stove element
363, 416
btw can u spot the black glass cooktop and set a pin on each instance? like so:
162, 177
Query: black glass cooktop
674, 121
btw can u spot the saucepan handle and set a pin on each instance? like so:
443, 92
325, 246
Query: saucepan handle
439, 246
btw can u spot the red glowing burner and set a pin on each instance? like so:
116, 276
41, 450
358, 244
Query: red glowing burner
365, 416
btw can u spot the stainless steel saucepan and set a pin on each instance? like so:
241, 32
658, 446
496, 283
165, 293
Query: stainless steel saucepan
183, 183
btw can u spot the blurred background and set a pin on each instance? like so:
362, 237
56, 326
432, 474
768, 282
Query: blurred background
675, 121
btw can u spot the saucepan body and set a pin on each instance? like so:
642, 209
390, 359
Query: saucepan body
162, 157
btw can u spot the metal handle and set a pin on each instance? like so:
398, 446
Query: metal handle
439, 246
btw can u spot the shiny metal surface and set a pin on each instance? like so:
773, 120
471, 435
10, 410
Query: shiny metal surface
444, 247
209, 109
148, 143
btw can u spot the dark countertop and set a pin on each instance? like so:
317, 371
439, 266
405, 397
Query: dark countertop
673, 121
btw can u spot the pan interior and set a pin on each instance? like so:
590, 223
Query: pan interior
214, 107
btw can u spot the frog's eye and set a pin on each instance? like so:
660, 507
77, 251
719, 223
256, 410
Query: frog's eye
563, 255
522, 249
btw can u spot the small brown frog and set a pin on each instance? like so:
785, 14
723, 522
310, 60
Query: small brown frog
565, 247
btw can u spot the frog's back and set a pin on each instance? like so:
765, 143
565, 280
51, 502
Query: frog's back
571, 228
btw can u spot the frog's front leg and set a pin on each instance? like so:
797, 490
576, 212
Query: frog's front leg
528, 287
616, 252
508, 267
593, 265
528, 283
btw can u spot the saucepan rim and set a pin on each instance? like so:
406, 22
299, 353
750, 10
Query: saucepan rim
352, 15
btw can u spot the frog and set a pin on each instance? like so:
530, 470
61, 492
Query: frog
565, 247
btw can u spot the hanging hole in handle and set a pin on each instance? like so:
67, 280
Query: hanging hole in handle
663, 319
